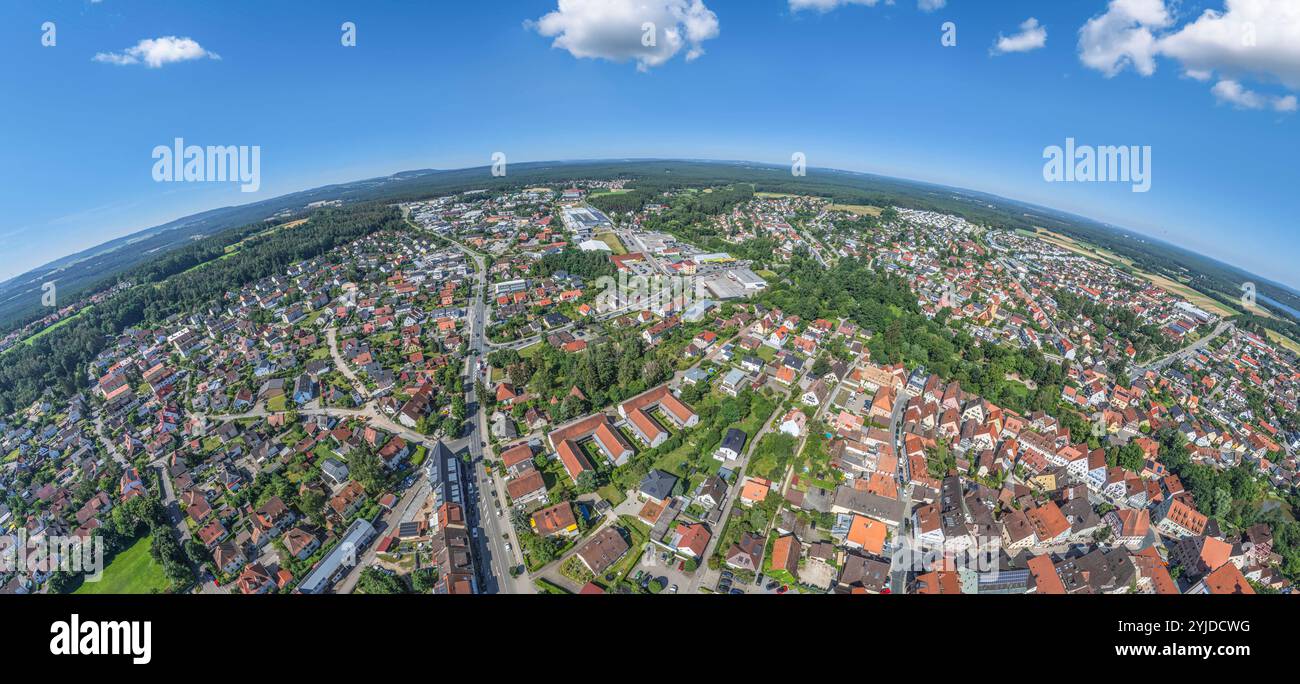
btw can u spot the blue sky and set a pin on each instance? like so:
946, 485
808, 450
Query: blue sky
445, 84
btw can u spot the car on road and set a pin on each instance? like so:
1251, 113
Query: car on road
737, 591
672, 589
498, 511
783, 589
508, 547
771, 585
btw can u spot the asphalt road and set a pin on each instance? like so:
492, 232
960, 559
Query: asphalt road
493, 559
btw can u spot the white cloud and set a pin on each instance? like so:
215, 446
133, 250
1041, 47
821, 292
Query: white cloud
1032, 36
1235, 94
1258, 38
155, 52
1247, 39
828, 5
616, 29
1122, 36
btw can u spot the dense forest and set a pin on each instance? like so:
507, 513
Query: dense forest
622, 202
58, 361
588, 265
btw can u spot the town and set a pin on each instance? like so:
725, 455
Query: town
844, 399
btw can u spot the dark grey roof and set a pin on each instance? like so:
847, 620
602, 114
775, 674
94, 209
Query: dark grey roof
735, 440
658, 484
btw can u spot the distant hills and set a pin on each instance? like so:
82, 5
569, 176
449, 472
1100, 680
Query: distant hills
99, 267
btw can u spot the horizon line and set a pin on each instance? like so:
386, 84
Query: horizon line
1295, 290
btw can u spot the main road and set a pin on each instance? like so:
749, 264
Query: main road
497, 548
1164, 361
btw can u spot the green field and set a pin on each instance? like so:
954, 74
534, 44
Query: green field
531, 350
615, 245
133, 571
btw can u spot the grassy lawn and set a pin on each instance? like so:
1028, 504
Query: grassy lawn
766, 353
614, 243
276, 404
675, 461
133, 571
859, 209
770, 457
322, 451
531, 350
611, 494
